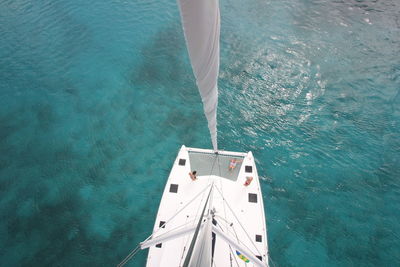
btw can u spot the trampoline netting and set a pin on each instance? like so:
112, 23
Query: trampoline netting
214, 164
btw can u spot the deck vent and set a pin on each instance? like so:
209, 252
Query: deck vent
182, 162
173, 188
248, 169
162, 224
252, 198
159, 245
258, 238
259, 257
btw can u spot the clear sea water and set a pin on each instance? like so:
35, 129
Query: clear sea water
96, 98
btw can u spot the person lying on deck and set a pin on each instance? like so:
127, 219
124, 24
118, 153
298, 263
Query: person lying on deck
233, 163
193, 175
248, 180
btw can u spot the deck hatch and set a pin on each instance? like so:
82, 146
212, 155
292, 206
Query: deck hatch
258, 238
252, 198
162, 224
159, 245
173, 188
248, 169
182, 162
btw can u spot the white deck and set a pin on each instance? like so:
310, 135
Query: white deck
250, 214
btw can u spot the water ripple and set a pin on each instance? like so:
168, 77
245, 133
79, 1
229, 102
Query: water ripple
86, 88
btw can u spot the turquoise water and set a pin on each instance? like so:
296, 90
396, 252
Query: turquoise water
96, 98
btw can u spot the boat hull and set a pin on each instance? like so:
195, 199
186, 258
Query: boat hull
238, 208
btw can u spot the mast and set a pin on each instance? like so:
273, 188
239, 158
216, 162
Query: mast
199, 253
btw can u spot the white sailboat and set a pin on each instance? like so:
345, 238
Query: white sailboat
217, 218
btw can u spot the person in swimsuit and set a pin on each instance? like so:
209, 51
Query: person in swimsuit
248, 180
193, 175
233, 163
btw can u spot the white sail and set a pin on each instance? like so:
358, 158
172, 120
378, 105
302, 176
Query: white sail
201, 25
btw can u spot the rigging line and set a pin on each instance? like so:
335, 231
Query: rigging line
234, 231
220, 182
184, 243
233, 254
135, 250
174, 229
194, 221
173, 216
186, 240
209, 175
127, 258
190, 251
212, 168
198, 207
269, 257
229, 224
248, 236
219, 166
209, 182
130, 255
237, 238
